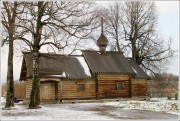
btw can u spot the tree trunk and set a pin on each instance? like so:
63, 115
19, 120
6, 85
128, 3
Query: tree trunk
35, 96
133, 51
118, 46
35, 92
117, 41
10, 80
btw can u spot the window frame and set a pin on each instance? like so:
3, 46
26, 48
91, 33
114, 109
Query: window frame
79, 89
118, 84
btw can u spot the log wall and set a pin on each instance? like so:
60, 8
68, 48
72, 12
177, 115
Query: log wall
43, 82
28, 88
70, 89
112, 77
139, 87
107, 85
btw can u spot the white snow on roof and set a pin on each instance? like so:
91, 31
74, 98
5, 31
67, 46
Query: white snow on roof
134, 70
64, 74
56, 75
84, 65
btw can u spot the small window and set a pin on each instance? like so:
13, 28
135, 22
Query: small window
81, 87
120, 86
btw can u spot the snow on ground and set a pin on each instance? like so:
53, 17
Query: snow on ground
93, 111
49, 112
155, 104
46, 113
3, 100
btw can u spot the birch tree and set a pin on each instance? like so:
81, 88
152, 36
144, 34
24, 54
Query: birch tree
10, 11
54, 24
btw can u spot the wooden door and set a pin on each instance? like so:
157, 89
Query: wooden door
47, 92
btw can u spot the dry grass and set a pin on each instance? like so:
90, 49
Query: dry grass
3, 91
19, 90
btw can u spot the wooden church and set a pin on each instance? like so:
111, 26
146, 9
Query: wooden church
92, 75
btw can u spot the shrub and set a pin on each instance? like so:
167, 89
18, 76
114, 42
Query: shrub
169, 98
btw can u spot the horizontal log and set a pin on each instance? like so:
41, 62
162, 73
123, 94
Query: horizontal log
138, 87
113, 80
75, 94
113, 75
107, 87
138, 82
78, 96
70, 98
113, 96
104, 78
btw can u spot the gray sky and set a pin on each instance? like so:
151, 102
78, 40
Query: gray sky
168, 25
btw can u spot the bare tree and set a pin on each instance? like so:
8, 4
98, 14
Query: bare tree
140, 30
10, 11
166, 84
112, 16
56, 24
136, 24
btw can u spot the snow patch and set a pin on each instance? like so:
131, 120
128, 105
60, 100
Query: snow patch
56, 75
79, 111
50, 112
134, 70
3, 100
84, 65
64, 74
168, 106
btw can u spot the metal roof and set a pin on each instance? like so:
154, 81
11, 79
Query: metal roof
55, 64
111, 62
139, 73
78, 67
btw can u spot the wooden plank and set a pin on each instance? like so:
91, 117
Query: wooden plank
136, 81
107, 88
47, 91
49, 78
139, 87
70, 89
28, 88
112, 77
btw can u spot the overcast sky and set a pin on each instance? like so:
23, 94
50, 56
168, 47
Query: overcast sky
168, 25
